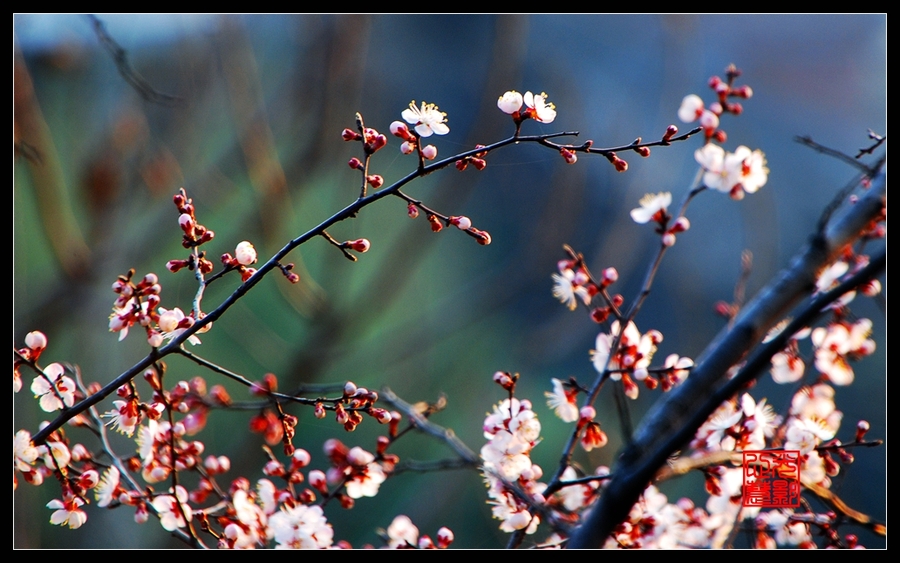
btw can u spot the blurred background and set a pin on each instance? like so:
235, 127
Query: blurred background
254, 138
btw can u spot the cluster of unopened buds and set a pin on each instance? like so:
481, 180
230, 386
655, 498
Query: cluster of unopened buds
355, 401
477, 160
411, 140
195, 235
693, 109
372, 139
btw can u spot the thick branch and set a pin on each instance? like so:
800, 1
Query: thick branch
673, 421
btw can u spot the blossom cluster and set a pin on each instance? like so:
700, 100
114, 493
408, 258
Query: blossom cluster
741, 172
512, 430
237, 515
286, 508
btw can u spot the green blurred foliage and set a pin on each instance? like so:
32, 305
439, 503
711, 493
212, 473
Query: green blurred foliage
254, 138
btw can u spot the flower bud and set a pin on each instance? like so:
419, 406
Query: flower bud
668, 239
408, 147
444, 537
671, 131
742, 92
871, 288
359, 245
600, 314
175, 265
723, 309
412, 211
378, 142
681, 224
462, 223
381, 415
154, 338
220, 395
350, 135
709, 120
483, 237
301, 458
245, 254
37, 341
861, 428
399, 129
429, 152
375, 180
610, 276
186, 222
355, 163
503, 379
569, 156
435, 223
274, 469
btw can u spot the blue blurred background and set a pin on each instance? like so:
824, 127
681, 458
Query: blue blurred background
255, 140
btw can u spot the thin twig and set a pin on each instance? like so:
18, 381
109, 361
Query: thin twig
120, 57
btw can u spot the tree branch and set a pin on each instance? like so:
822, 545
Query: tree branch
673, 421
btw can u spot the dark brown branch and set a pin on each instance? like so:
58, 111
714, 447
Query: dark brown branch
673, 421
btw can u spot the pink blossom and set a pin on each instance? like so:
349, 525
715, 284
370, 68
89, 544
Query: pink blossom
367, 475
510, 102
301, 527
427, 119
53, 388
106, 490
539, 108
402, 532
67, 512
691, 108
24, 452
562, 402
171, 323
653, 208
173, 510
568, 288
